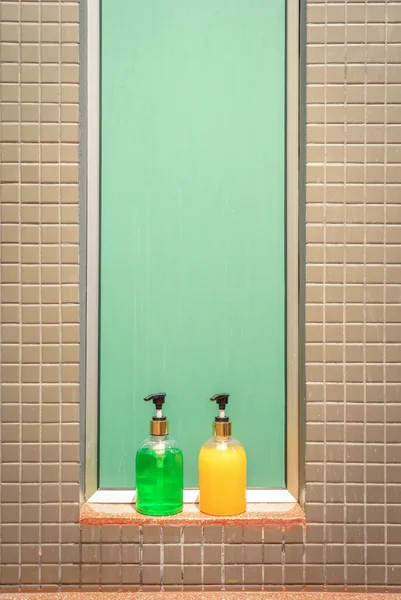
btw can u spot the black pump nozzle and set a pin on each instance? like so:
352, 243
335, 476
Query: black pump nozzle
158, 424
157, 399
221, 400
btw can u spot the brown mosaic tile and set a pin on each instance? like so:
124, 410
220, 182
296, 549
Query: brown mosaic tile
354, 277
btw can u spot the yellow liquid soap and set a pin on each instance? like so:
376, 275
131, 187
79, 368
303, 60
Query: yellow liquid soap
222, 478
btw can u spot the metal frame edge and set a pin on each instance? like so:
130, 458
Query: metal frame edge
294, 324
89, 183
89, 265
82, 187
302, 28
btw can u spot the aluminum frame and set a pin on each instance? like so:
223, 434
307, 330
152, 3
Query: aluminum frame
89, 266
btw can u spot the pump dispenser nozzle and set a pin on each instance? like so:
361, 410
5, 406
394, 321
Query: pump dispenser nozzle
158, 424
222, 424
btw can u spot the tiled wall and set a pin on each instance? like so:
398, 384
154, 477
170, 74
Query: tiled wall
353, 333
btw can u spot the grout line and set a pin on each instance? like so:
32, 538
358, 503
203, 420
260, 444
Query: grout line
385, 297
344, 300
263, 560
101, 544
243, 562
324, 557
140, 557
40, 320
121, 556
60, 307
223, 569
20, 306
202, 557
365, 529
1, 320
182, 556
161, 560
303, 558
80, 562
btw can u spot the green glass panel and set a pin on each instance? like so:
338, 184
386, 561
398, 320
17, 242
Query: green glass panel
192, 228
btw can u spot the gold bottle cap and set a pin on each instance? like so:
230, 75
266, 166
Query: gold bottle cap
159, 427
222, 429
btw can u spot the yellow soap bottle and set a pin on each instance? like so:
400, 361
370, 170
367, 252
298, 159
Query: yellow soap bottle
222, 468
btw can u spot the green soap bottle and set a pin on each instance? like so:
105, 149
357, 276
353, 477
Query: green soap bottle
159, 468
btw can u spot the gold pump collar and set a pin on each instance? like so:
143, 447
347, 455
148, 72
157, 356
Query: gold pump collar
222, 429
159, 427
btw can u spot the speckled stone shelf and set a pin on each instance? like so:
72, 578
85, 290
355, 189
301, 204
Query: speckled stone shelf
279, 515
199, 596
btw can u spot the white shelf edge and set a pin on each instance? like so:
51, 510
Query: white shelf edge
192, 496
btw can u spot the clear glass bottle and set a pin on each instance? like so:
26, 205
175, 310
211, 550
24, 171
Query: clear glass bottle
159, 468
222, 469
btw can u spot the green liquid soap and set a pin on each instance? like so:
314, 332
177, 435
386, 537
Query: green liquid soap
159, 477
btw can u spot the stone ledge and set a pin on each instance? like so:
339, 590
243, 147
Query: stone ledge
276, 515
199, 596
